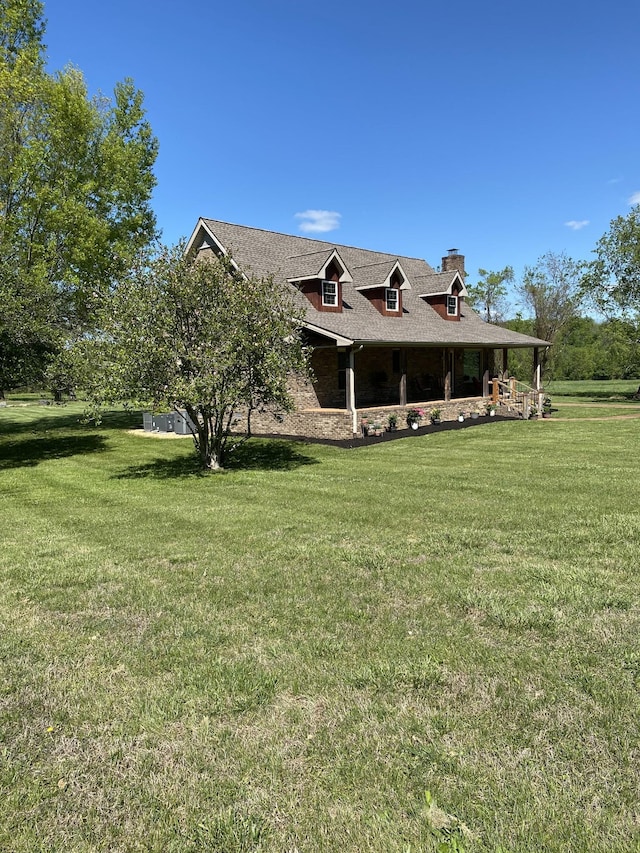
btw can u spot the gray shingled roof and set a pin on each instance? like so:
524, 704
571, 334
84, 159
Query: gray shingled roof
307, 265
286, 257
434, 283
374, 274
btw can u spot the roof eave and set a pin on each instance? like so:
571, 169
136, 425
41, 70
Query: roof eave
452, 344
340, 340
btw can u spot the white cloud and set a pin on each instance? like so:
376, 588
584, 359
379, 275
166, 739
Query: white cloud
577, 225
318, 221
635, 198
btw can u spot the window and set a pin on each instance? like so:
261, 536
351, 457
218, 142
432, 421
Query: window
391, 297
452, 306
329, 293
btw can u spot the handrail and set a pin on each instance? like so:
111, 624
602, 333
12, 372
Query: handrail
517, 395
516, 385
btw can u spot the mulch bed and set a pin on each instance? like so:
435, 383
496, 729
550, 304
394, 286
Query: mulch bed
365, 441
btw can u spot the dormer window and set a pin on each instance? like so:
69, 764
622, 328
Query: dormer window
330, 293
452, 306
391, 298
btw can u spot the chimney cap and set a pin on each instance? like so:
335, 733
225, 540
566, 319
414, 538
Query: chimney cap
452, 251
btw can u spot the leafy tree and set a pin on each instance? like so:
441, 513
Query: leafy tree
612, 281
583, 349
550, 292
618, 349
489, 295
520, 360
75, 186
196, 335
577, 354
27, 339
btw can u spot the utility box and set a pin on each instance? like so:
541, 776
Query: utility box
183, 423
177, 422
164, 422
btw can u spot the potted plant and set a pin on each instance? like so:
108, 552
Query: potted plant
392, 421
435, 416
475, 415
546, 407
490, 409
414, 416
533, 412
460, 417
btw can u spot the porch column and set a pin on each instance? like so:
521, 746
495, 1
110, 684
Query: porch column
505, 363
537, 381
448, 378
351, 389
485, 373
403, 377
537, 384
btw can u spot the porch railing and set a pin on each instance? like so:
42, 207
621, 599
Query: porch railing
518, 397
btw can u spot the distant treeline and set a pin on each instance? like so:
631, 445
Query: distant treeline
584, 349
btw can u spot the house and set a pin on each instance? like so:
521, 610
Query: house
386, 331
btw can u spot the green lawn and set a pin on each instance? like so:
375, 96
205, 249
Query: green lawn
564, 407
596, 399
290, 655
597, 390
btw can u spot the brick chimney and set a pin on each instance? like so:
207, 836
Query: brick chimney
453, 261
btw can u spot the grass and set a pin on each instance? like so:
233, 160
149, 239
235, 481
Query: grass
614, 390
427, 641
595, 400
564, 407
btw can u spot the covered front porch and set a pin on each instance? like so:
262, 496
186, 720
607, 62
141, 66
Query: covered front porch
369, 377
375, 381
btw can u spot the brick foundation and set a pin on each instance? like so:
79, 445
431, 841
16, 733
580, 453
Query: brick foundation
306, 423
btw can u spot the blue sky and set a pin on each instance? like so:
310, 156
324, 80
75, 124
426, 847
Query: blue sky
503, 129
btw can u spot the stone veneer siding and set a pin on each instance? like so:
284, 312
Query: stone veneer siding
448, 411
338, 423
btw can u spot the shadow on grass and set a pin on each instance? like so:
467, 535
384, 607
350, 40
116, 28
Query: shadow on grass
603, 396
13, 423
29, 452
163, 469
255, 455
270, 455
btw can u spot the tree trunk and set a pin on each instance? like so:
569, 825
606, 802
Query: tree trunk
210, 454
209, 439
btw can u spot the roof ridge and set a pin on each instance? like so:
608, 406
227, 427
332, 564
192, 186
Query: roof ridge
315, 240
377, 263
304, 254
434, 273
